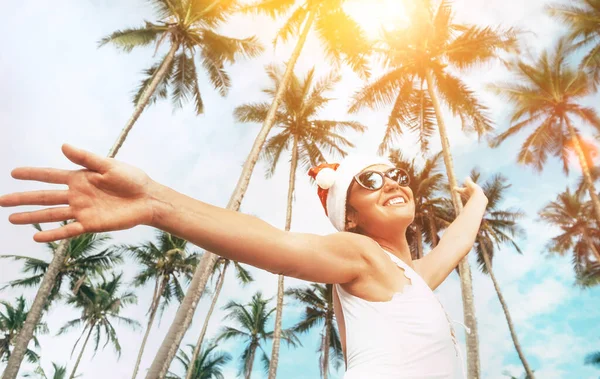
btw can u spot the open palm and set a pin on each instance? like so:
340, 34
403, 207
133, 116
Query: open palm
106, 195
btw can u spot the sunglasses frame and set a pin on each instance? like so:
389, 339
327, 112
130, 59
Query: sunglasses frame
383, 175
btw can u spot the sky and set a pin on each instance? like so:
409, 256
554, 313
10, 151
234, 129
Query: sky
56, 86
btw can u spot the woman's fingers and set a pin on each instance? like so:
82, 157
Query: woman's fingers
41, 216
67, 231
47, 197
42, 174
86, 159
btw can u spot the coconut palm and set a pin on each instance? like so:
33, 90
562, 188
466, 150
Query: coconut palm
187, 26
425, 183
11, 322
578, 235
298, 130
244, 277
418, 60
499, 226
582, 17
546, 95
87, 257
60, 372
100, 306
342, 38
318, 302
252, 319
165, 262
208, 365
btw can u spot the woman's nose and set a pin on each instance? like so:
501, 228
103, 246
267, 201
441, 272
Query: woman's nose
389, 184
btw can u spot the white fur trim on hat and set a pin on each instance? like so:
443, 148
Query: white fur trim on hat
336, 197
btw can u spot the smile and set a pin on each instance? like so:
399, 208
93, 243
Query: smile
395, 201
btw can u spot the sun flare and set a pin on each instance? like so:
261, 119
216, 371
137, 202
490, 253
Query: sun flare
375, 15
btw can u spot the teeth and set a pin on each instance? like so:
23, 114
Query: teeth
396, 200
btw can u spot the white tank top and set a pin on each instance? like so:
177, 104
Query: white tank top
409, 336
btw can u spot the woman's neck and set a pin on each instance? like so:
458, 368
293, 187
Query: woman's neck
399, 247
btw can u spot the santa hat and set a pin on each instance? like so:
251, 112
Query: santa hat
333, 181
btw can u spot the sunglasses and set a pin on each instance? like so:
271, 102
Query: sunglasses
374, 180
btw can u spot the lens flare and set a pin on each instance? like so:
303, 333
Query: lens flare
375, 15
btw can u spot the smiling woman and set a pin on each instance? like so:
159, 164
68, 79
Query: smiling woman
374, 15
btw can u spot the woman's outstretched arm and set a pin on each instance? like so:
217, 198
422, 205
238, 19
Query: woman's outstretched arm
109, 195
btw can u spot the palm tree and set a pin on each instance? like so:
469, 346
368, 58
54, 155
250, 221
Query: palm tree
582, 17
341, 37
100, 306
546, 95
11, 322
590, 275
425, 183
418, 59
84, 260
499, 226
208, 365
187, 26
318, 302
164, 262
252, 319
307, 136
60, 372
244, 277
577, 233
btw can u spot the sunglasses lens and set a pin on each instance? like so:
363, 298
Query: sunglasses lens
399, 176
371, 180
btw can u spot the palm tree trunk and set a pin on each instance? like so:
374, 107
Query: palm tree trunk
198, 346
145, 99
35, 313
432, 227
586, 170
155, 301
325, 363
513, 334
251, 358
419, 237
466, 281
280, 287
186, 310
81, 352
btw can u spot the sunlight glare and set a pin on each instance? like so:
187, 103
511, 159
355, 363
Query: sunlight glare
374, 15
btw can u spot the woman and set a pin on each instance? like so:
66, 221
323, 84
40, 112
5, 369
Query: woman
391, 324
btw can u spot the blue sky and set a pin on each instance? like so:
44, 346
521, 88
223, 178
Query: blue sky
57, 87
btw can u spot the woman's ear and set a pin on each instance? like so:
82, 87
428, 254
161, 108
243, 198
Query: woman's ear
351, 219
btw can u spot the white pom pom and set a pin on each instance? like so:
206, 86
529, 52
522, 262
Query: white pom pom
325, 178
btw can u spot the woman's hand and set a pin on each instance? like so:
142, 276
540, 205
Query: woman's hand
106, 195
470, 189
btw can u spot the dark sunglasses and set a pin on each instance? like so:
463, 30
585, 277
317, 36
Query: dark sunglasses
374, 180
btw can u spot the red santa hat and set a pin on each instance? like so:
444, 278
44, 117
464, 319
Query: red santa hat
333, 181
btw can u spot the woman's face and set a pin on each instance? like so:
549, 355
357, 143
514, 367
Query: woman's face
371, 211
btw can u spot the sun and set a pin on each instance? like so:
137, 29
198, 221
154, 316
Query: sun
375, 15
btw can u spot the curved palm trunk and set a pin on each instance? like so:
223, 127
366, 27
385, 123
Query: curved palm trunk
325, 363
280, 287
466, 281
35, 313
432, 227
586, 171
419, 237
153, 310
81, 353
513, 334
198, 346
251, 358
186, 310
145, 99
